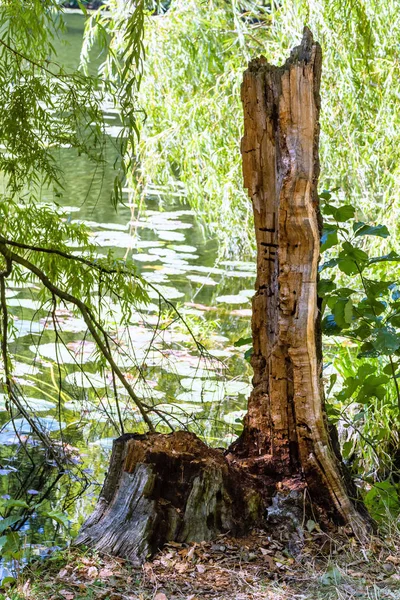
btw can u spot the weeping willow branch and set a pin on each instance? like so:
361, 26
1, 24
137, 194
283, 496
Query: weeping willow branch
95, 328
106, 271
12, 397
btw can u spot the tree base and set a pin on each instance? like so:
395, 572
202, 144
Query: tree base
163, 488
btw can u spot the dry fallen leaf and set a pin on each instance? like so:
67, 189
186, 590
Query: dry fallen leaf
160, 596
92, 573
67, 595
393, 559
105, 573
200, 568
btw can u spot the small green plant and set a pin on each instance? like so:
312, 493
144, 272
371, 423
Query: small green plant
361, 312
13, 547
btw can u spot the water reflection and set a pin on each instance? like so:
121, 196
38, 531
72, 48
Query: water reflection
81, 411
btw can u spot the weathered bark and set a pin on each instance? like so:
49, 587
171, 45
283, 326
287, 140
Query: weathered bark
172, 487
285, 434
162, 488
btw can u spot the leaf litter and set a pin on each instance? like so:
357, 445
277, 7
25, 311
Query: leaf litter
256, 567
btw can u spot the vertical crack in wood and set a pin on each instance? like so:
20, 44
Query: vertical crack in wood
286, 422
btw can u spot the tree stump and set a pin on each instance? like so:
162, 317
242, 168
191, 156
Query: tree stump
173, 487
162, 488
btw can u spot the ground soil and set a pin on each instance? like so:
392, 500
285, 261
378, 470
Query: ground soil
252, 568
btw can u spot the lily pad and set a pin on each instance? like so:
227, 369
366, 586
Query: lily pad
202, 280
232, 299
184, 248
85, 380
235, 417
171, 236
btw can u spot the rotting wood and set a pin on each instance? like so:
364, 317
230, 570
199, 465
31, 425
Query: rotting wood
163, 488
285, 432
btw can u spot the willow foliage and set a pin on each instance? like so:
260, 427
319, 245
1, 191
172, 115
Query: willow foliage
196, 54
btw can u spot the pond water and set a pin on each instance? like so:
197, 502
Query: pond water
172, 251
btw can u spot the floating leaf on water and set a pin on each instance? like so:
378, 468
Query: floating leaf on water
25, 303
247, 293
85, 380
241, 275
45, 424
202, 280
117, 239
167, 225
149, 244
112, 226
106, 443
8, 470
200, 396
207, 270
38, 404
183, 248
178, 409
232, 299
67, 323
24, 327
113, 130
167, 291
171, 236
242, 312
235, 417
145, 258
222, 353
74, 352
235, 387
156, 277
19, 369
239, 264
162, 252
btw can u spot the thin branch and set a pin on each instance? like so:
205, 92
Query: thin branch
106, 271
92, 324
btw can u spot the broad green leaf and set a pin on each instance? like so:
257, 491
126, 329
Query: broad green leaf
326, 195
376, 380
352, 259
343, 312
243, 342
8, 522
362, 332
386, 341
329, 264
367, 350
329, 237
248, 354
365, 370
391, 257
325, 286
345, 213
58, 516
15, 504
329, 326
390, 368
377, 230
348, 266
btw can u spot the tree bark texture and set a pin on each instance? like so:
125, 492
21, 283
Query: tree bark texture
173, 487
162, 488
285, 432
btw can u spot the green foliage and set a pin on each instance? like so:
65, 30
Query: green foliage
14, 513
360, 304
383, 501
196, 55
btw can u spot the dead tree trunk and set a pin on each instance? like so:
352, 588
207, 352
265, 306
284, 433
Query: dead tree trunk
172, 487
285, 434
